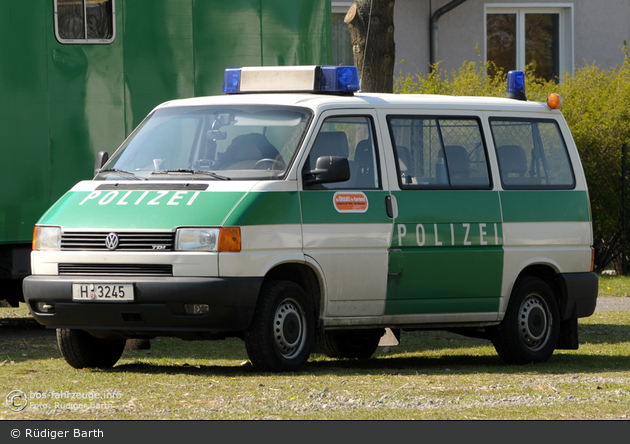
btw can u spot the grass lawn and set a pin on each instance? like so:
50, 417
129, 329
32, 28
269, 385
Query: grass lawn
614, 285
430, 375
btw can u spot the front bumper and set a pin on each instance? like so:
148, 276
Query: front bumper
158, 308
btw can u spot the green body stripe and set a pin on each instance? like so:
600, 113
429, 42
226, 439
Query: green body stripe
144, 210
266, 208
441, 206
545, 206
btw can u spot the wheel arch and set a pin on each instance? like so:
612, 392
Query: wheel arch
305, 276
549, 274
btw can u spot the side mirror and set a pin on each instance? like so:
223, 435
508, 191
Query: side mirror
328, 169
101, 160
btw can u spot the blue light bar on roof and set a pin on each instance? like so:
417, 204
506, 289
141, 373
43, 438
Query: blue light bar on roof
516, 85
340, 78
321, 79
231, 80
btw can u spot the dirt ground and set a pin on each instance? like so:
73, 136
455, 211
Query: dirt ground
613, 304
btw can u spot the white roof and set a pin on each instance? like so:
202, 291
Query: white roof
320, 102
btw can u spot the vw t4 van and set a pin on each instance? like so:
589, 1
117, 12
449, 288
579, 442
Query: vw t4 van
303, 216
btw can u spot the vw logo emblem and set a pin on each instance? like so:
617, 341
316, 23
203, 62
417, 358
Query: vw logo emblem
111, 241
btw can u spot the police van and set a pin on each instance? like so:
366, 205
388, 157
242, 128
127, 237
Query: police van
303, 216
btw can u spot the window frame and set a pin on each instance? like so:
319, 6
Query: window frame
86, 40
565, 31
407, 186
572, 186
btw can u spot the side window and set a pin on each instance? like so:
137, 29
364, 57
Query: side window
433, 152
351, 137
85, 21
531, 154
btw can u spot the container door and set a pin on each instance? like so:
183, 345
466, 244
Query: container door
346, 226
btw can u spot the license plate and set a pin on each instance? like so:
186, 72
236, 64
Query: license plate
102, 292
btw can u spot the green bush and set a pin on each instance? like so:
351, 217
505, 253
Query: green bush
597, 110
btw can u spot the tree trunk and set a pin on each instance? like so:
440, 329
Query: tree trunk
374, 55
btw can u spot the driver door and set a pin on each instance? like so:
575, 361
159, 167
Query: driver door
346, 227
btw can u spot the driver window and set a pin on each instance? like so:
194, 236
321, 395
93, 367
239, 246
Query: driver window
352, 138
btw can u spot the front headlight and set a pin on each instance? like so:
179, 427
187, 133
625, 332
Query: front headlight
47, 238
197, 239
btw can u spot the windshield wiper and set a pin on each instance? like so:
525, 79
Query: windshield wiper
122, 173
189, 171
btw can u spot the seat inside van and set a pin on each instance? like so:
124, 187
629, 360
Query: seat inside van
332, 143
512, 164
362, 168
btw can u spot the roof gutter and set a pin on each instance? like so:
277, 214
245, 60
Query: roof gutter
433, 38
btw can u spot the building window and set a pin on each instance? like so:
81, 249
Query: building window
537, 36
85, 21
342, 44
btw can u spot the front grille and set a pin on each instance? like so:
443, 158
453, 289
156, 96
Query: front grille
116, 269
127, 241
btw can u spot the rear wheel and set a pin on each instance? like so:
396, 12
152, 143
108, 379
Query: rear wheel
530, 329
82, 350
351, 345
280, 337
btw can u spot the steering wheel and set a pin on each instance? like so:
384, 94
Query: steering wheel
272, 162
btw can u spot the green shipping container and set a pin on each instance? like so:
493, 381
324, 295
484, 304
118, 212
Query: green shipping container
76, 76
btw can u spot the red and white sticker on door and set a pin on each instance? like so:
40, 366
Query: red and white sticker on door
350, 202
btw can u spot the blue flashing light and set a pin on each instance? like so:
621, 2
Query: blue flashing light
516, 85
340, 79
231, 80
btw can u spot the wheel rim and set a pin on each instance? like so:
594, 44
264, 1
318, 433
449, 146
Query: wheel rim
534, 322
289, 328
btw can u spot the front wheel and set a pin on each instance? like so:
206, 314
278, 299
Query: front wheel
530, 329
280, 337
82, 350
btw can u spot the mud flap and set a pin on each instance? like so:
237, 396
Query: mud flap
568, 339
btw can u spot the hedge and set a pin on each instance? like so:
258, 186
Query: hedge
597, 110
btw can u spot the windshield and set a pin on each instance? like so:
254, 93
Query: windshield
213, 142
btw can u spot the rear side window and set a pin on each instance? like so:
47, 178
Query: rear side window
85, 21
433, 152
531, 154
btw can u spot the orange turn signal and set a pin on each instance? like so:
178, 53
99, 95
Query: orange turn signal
554, 101
35, 237
229, 239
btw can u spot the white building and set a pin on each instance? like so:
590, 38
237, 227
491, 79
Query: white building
557, 34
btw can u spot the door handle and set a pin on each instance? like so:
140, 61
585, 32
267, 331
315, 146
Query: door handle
389, 206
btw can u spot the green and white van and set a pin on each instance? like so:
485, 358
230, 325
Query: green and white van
302, 216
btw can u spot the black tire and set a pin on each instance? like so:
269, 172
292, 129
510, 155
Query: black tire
82, 350
281, 335
351, 345
530, 329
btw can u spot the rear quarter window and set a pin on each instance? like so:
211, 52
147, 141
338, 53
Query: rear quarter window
532, 154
